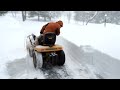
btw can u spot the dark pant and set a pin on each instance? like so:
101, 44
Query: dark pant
40, 39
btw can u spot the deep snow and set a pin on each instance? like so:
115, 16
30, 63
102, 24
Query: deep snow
13, 33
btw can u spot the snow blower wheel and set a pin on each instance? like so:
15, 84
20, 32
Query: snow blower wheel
61, 58
37, 60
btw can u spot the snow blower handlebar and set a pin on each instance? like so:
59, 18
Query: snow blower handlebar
30, 40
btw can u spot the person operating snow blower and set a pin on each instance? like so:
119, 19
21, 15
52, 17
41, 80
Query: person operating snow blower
43, 50
49, 27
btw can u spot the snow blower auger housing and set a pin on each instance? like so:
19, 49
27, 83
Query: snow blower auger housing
49, 52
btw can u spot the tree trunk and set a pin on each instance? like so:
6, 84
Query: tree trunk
69, 16
83, 22
38, 17
105, 22
44, 18
12, 13
92, 17
15, 14
24, 15
50, 18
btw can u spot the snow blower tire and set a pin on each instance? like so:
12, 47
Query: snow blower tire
37, 60
61, 58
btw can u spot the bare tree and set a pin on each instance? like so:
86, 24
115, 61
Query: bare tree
14, 13
105, 20
69, 16
81, 16
38, 16
92, 17
3, 13
24, 15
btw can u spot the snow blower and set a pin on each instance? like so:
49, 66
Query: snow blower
49, 52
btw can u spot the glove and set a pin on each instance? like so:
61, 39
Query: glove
41, 32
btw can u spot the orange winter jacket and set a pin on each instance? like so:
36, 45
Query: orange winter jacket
52, 27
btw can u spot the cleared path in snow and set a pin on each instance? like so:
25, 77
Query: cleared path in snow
76, 66
73, 69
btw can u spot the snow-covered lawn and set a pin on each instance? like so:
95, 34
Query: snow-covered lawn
105, 39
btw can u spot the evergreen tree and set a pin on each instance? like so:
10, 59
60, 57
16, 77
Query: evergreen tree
3, 13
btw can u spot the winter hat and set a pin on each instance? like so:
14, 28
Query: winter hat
60, 23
